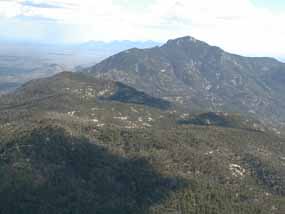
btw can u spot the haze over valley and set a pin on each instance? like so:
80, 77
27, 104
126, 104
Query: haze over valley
142, 107
24, 61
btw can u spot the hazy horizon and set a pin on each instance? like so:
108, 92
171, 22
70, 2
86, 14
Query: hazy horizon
147, 43
246, 27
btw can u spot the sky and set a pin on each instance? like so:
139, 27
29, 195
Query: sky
247, 27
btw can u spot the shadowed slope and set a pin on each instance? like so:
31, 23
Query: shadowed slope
47, 171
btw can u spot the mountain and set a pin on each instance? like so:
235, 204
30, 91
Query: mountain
202, 77
77, 97
95, 51
72, 143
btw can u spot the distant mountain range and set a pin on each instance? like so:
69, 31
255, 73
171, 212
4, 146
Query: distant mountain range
24, 61
202, 77
118, 45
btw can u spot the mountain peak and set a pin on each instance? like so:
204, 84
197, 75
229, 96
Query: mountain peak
184, 40
189, 43
195, 74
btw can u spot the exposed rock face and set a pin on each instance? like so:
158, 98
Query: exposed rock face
199, 76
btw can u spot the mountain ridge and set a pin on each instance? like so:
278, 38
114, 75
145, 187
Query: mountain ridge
72, 143
199, 76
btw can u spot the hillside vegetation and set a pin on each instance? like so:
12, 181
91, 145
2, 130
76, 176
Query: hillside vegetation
199, 76
75, 144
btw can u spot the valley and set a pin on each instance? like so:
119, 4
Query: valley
142, 107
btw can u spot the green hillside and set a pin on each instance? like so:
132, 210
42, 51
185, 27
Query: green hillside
75, 144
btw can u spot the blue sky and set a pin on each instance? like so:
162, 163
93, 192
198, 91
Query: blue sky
249, 27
